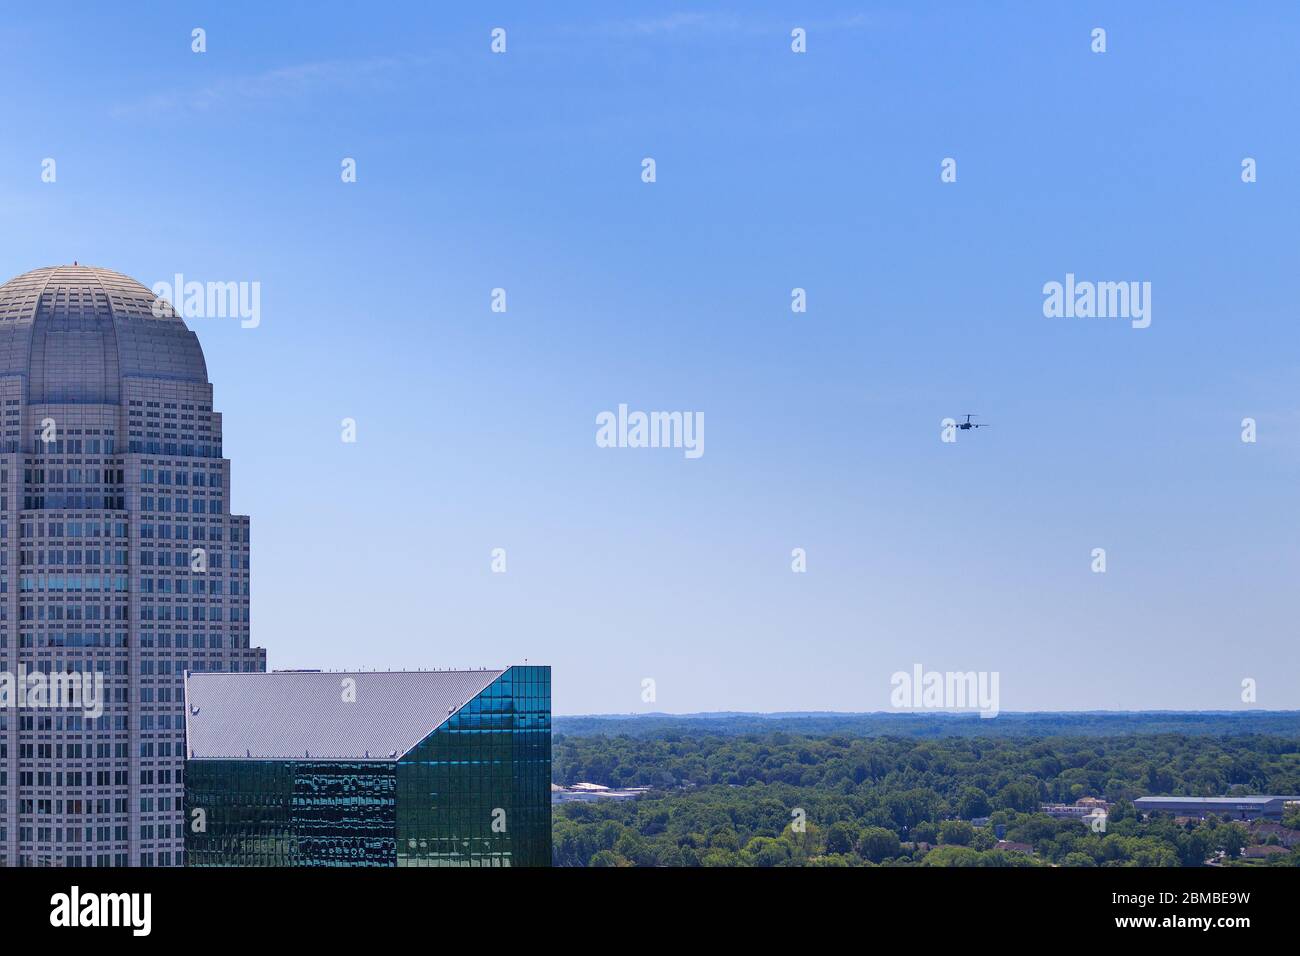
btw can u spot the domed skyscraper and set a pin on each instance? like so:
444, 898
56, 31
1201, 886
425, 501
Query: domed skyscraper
118, 556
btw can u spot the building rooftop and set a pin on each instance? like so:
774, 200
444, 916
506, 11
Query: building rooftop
1011, 846
305, 715
1264, 851
1253, 801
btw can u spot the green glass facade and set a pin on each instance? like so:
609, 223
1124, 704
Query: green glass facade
474, 792
291, 813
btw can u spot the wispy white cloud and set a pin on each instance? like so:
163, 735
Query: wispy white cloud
703, 22
674, 22
270, 86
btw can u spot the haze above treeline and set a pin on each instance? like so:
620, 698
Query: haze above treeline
1040, 724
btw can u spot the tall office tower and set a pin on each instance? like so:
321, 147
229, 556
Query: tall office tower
118, 557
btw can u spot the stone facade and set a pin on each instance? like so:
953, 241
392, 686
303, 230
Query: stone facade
118, 556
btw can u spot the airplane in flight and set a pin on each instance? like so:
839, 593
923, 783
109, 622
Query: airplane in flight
968, 424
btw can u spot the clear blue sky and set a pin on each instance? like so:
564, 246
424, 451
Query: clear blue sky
775, 170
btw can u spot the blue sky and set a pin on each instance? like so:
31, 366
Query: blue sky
774, 170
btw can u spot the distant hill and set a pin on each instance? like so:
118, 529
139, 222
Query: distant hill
813, 723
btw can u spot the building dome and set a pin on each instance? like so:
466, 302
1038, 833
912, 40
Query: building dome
113, 484
74, 332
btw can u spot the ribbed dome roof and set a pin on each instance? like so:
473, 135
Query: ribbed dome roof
74, 332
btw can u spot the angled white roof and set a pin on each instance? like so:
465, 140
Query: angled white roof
1226, 801
303, 715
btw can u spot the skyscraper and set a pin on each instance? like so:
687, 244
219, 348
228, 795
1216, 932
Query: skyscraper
118, 556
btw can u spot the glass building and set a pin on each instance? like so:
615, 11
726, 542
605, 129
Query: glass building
410, 768
120, 563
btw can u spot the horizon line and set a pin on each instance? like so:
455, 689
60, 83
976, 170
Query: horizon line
717, 714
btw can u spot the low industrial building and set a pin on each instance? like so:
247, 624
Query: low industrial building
410, 768
1092, 812
1069, 810
590, 792
1232, 808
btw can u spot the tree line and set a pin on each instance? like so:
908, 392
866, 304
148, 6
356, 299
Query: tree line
786, 798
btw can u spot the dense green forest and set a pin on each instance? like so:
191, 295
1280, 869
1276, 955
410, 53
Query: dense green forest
847, 794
